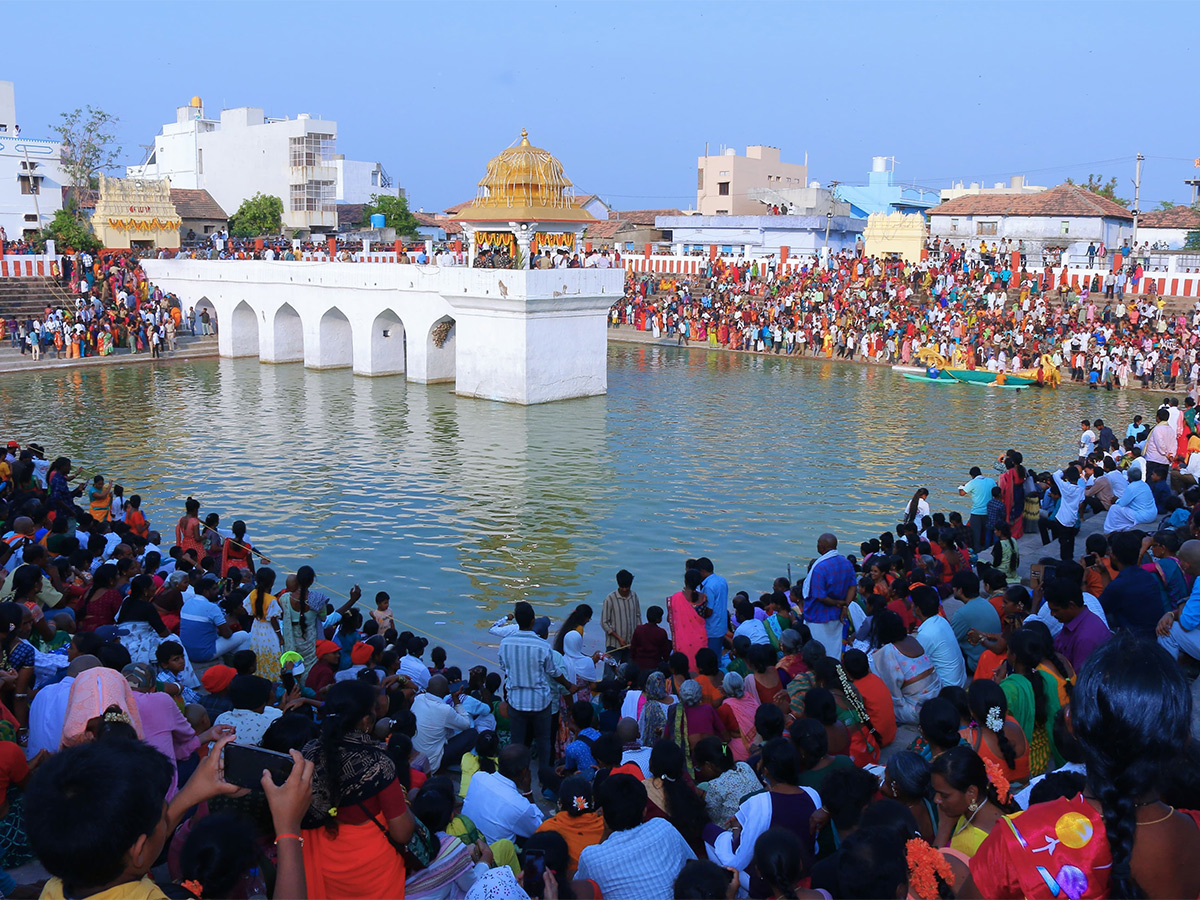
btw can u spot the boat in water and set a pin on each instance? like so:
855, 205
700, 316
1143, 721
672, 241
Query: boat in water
982, 376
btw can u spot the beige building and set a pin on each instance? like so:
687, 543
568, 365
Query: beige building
732, 185
1016, 185
895, 236
135, 213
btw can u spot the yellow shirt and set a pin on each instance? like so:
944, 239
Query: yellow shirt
967, 840
130, 890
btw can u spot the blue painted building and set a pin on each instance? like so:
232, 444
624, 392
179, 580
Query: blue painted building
880, 195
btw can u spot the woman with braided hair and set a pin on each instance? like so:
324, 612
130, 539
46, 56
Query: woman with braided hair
865, 740
1130, 711
993, 733
1032, 697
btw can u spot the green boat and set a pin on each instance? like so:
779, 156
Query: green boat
972, 376
981, 376
926, 378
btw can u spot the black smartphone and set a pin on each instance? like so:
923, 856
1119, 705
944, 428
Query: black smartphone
288, 680
535, 868
244, 764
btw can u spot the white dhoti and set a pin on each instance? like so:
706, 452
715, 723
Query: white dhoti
830, 636
1121, 518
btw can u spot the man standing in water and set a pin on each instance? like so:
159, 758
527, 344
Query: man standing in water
828, 590
716, 589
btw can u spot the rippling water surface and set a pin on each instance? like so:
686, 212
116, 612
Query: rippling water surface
457, 507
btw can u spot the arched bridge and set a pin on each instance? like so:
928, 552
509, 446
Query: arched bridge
522, 336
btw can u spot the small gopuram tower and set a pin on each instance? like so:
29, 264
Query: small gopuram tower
525, 204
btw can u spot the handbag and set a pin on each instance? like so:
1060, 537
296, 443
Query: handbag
421, 848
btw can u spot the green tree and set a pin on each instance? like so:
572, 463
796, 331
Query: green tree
1107, 189
68, 231
88, 148
1193, 241
395, 214
1165, 204
258, 215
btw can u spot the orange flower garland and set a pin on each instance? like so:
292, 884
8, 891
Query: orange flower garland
925, 865
999, 781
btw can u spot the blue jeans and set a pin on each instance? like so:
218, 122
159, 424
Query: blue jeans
716, 645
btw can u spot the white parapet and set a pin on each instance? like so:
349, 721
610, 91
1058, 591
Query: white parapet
518, 336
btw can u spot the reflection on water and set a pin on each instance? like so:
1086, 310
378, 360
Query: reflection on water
457, 507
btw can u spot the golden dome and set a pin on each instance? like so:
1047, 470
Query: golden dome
525, 182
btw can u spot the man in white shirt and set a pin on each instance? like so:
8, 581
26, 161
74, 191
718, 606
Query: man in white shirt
1065, 523
411, 665
749, 626
444, 732
936, 635
498, 802
1161, 445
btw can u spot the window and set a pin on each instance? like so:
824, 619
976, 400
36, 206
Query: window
723, 188
1065, 226
722, 212
29, 185
311, 149
985, 227
3, 129
954, 224
200, 162
700, 179
30, 217
725, 174
375, 178
314, 196
727, 248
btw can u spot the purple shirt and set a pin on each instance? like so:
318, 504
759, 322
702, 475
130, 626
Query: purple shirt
1080, 637
833, 577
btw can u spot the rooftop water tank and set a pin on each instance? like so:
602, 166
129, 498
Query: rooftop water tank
378, 220
879, 163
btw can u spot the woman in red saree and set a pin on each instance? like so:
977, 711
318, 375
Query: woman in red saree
359, 811
1131, 715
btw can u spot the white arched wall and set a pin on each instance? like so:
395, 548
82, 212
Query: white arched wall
439, 361
287, 336
241, 332
332, 345
381, 351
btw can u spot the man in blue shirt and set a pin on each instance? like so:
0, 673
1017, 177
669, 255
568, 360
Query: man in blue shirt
979, 489
1135, 600
716, 589
828, 590
1179, 630
204, 628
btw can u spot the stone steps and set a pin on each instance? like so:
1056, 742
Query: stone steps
28, 297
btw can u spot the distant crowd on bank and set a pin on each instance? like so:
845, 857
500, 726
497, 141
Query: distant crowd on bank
971, 308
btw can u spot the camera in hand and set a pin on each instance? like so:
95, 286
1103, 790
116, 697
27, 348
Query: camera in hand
244, 765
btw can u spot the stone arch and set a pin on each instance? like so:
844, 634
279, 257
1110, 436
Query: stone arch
287, 333
387, 343
243, 330
440, 359
202, 304
335, 341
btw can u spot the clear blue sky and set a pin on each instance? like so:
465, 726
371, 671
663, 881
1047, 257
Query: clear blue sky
626, 95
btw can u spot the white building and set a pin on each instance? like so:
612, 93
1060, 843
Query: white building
1063, 219
244, 152
1016, 185
1168, 229
31, 177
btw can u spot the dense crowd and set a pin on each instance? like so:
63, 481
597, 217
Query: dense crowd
967, 305
115, 308
181, 718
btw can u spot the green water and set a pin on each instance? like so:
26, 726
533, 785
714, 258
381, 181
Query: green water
458, 507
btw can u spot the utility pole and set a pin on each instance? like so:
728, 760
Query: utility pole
1137, 194
33, 187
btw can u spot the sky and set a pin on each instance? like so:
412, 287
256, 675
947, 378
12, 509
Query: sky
627, 94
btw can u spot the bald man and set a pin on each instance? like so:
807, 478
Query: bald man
828, 589
1179, 630
444, 732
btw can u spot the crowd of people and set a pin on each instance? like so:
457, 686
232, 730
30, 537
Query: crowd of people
115, 308
972, 309
184, 718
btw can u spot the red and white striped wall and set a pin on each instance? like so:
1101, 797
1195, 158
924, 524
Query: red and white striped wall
27, 266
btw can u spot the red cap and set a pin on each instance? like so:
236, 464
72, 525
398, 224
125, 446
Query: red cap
217, 678
360, 654
13, 445
324, 647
